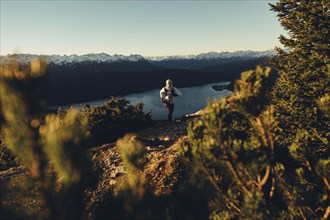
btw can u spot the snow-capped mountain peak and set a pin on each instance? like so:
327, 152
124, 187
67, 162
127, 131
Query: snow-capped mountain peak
104, 57
219, 55
64, 59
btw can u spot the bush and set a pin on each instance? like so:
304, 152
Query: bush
114, 118
50, 149
230, 151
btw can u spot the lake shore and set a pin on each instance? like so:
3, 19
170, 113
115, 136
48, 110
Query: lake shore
193, 99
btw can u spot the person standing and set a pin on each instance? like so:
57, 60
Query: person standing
167, 95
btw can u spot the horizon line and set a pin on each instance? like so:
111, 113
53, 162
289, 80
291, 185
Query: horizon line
174, 55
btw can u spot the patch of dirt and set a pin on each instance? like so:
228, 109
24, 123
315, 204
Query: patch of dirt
162, 167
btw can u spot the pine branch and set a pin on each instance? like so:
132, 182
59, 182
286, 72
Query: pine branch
262, 182
215, 185
236, 177
301, 214
327, 213
326, 182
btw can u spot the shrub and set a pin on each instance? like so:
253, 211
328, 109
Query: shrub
230, 150
114, 118
40, 145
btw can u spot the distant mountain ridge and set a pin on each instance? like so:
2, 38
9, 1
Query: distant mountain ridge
218, 55
203, 60
64, 59
161, 60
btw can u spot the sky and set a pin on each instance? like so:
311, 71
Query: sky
148, 28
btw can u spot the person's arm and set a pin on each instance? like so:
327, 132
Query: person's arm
177, 92
162, 94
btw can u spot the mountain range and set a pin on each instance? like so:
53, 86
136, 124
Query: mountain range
217, 55
74, 79
104, 57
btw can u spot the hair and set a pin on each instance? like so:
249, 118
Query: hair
169, 81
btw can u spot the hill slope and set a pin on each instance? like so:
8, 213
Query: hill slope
162, 169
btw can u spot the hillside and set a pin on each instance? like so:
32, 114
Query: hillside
162, 169
100, 81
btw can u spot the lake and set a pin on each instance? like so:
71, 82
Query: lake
193, 99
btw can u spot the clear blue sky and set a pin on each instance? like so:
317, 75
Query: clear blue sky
149, 28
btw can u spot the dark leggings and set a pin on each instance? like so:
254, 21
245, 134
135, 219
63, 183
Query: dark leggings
170, 108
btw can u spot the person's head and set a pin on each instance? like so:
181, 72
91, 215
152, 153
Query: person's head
169, 83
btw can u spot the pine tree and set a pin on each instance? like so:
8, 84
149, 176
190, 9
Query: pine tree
264, 152
303, 70
300, 96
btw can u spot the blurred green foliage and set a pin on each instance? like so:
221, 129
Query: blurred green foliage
53, 146
49, 148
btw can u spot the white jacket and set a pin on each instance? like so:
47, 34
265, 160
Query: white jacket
167, 94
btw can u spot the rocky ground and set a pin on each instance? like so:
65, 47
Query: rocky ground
162, 166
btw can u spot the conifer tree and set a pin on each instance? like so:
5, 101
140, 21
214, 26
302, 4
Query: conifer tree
301, 99
264, 152
303, 69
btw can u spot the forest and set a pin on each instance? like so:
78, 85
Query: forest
261, 153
